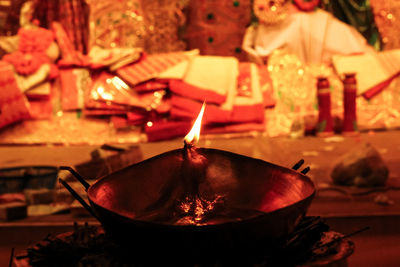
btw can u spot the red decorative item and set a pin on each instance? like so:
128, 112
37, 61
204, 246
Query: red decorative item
181, 88
325, 122
151, 85
349, 104
34, 40
13, 104
31, 53
162, 130
306, 5
73, 15
26, 63
69, 55
73, 82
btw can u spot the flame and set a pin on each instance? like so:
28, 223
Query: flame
194, 135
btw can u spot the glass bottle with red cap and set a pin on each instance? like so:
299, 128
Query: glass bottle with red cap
349, 104
325, 122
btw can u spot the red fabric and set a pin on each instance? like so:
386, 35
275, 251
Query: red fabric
244, 81
80, 24
149, 67
181, 88
306, 5
102, 105
119, 122
379, 87
268, 99
40, 105
163, 130
54, 72
69, 90
73, 15
137, 117
185, 105
102, 112
70, 57
234, 128
41, 109
34, 40
132, 119
164, 107
184, 108
151, 85
14, 106
179, 114
26, 63
187, 108
31, 53
248, 113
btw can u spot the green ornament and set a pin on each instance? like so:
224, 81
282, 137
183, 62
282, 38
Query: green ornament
210, 16
321, 126
238, 50
236, 3
279, 94
210, 39
355, 126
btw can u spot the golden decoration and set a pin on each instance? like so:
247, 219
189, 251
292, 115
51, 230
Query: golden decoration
163, 19
271, 11
116, 23
387, 18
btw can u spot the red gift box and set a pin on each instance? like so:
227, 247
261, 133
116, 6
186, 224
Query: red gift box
14, 106
73, 85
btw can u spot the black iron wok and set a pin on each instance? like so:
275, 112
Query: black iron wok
272, 199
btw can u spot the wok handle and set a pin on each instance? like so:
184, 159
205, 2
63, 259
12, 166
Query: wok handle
305, 170
77, 176
77, 197
299, 164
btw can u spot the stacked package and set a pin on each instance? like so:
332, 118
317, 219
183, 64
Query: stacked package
164, 92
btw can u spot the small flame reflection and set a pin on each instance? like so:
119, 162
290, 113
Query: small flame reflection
194, 135
195, 211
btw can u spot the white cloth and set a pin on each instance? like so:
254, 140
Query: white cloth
313, 36
371, 69
178, 71
218, 74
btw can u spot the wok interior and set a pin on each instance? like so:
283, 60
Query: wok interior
246, 183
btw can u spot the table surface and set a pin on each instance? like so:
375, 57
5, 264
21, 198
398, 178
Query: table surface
319, 153
344, 212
